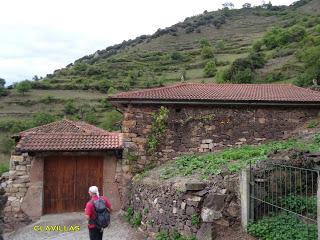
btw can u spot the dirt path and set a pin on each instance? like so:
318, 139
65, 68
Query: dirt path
118, 229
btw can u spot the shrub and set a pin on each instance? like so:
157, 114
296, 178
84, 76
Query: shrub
245, 76
6, 145
257, 60
257, 46
311, 59
23, 87
70, 108
274, 77
41, 118
210, 69
204, 43
280, 37
220, 45
80, 67
111, 121
207, 52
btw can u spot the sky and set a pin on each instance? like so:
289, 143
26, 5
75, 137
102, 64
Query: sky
39, 36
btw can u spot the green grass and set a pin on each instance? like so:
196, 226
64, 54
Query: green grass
233, 159
4, 167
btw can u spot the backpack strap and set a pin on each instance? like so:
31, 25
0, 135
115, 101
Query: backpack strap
92, 221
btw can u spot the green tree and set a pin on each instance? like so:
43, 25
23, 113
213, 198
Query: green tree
23, 87
111, 121
246, 5
2, 82
220, 45
210, 69
42, 118
311, 74
70, 108
204, 43
207, 52
3, 91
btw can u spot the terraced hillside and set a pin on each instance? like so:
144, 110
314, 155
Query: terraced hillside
261, 44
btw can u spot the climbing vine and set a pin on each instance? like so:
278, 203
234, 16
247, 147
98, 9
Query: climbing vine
158, 129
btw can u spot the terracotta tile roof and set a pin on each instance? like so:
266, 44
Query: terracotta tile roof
283, 93
68, 135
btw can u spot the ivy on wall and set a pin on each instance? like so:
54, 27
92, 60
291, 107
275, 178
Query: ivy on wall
158, 129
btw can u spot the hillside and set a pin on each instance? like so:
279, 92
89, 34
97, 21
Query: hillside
165, 56
233, 45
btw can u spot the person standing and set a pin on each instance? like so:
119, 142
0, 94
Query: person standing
95, 232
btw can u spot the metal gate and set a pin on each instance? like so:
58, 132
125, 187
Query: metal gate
280, 189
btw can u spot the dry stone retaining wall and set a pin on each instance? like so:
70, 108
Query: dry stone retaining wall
195, 210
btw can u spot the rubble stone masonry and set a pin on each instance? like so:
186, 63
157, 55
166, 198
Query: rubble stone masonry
198, 129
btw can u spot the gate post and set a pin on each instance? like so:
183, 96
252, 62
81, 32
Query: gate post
245, 197
318, 206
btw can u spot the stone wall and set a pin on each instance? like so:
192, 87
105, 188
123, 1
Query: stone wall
196, 129
193, 209
3, 200
16, 188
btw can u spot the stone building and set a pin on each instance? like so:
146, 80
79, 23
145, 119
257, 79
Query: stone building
54, 165
199, 118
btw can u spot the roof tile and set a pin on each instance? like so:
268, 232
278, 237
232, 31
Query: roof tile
68, 135
223, 92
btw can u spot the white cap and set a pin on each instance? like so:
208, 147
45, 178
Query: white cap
94, 189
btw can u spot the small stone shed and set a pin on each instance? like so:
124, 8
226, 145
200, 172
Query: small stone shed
209, 117
53, 166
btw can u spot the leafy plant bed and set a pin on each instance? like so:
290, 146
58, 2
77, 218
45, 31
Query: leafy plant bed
163, 235
233, 159
283, 226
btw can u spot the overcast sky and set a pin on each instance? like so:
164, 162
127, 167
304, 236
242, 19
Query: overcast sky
39, 36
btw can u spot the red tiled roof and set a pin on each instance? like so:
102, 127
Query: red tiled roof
283, 93
68, 135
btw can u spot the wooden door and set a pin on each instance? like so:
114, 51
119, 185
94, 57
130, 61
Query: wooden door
67, 179
89, 173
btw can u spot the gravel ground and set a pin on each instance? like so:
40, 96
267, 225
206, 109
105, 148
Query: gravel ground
118, 229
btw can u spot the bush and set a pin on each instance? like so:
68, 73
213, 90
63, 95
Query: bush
41, 118
6, 145
274, 77
280, 37
70, 108
210, 69
311, 58
220, 45
207, 52
257, 60
23, 87
204, 43
111, 121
